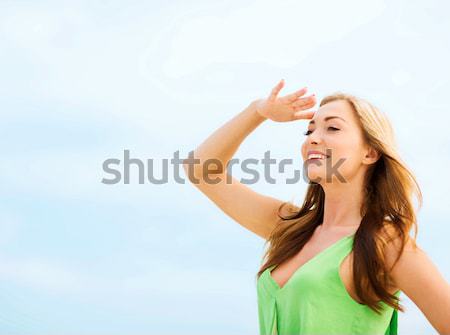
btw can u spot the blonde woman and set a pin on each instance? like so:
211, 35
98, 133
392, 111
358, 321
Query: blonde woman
338, 263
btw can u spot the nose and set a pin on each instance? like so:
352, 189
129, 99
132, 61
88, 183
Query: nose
312, 141
314, 137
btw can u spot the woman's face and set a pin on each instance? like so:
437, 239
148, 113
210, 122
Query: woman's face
334, 131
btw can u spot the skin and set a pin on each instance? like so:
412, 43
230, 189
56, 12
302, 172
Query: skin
414, 274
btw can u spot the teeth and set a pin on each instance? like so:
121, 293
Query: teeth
311, 156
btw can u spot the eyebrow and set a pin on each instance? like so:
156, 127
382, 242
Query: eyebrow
328, 118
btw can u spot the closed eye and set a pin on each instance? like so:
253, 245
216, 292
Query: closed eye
310, 131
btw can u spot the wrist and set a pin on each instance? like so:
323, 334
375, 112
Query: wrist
254, 106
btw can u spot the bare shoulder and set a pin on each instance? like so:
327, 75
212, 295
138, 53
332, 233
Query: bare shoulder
419, 278
398, 259
394, 239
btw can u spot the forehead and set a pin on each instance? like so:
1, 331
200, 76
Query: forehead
339, 108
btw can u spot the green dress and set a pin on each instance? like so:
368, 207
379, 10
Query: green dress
314, 301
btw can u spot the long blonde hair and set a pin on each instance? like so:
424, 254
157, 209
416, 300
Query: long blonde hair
389, 187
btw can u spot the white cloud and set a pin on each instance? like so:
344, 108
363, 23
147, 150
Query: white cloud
265, 33
10, 224
401, 77
259, 29
39, 274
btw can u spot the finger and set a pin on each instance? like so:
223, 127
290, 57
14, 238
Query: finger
300, 115
276, 90
306, 101
294, 96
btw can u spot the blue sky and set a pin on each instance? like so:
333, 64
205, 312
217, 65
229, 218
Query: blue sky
83, 81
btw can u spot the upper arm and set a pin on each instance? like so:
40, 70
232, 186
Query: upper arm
256, 212
417, 276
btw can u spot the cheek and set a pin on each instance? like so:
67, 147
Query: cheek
303, 151
346, 160
346, 148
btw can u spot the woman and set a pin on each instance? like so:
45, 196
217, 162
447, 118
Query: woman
337, 263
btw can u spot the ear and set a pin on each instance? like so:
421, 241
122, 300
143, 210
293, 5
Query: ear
371, 156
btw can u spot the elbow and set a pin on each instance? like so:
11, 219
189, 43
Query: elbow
198, 170
191, 171
444, 330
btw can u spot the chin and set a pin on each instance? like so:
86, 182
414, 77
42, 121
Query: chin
318, 178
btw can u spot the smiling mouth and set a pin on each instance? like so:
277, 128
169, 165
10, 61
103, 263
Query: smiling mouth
317, 157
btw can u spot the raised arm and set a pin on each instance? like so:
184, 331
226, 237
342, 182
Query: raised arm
254, 211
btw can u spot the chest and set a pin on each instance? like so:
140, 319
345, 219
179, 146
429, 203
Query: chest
336, 258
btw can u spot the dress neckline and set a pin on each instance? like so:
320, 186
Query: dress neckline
312, 259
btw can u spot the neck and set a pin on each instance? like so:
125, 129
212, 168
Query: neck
342, 205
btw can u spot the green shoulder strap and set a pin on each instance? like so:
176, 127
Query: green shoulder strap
393, 325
